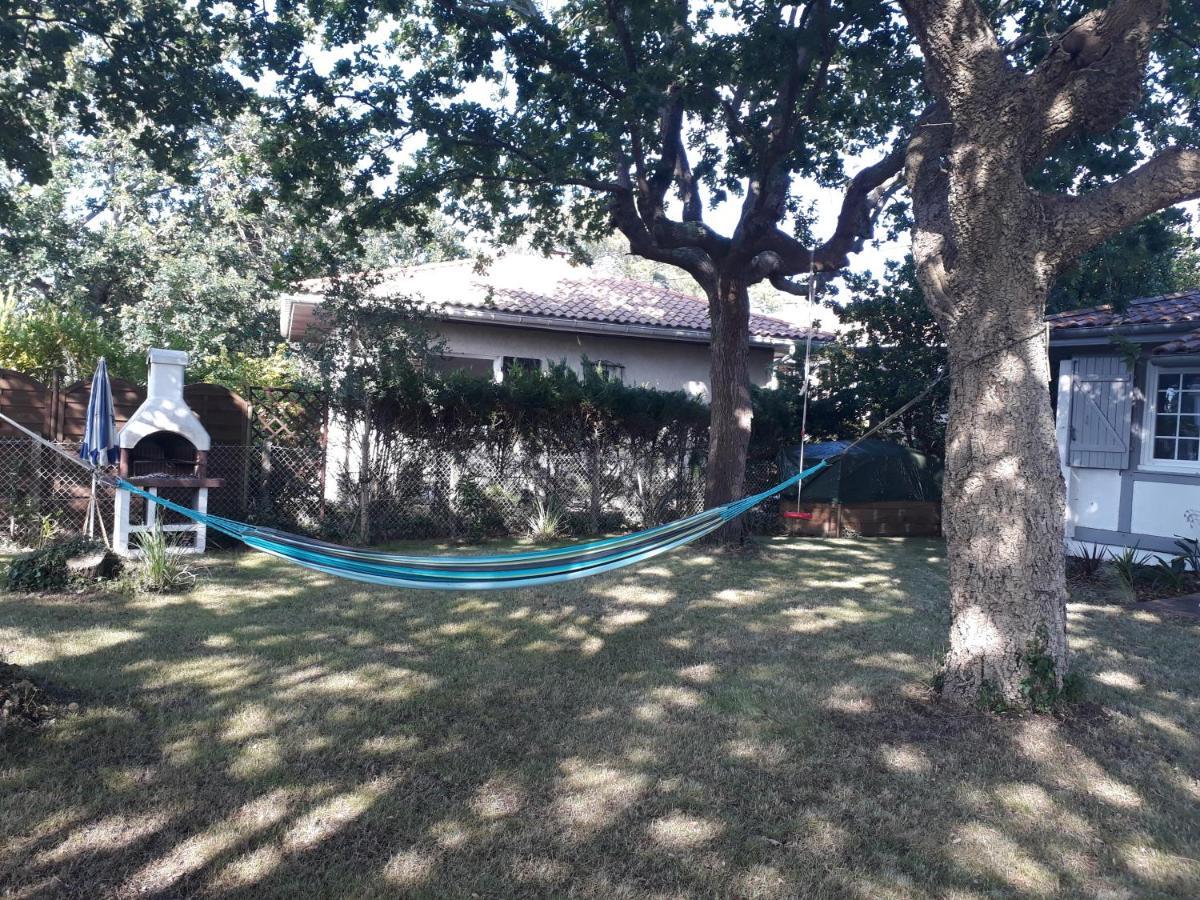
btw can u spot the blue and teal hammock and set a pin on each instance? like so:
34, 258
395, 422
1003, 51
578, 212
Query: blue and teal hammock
478, 573
461, 573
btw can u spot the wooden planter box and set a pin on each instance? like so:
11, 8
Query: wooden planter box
895, 518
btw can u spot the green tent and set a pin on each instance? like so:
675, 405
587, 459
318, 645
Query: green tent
872, 472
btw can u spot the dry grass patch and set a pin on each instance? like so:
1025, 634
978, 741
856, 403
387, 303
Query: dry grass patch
752, 725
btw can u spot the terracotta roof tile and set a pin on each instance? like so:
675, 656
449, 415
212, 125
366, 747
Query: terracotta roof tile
1189, 343
1167, 309
620, 301
553, 289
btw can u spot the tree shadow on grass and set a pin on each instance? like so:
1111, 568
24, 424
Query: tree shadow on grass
702, 725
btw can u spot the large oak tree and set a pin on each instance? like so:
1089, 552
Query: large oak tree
989, 244
599, 115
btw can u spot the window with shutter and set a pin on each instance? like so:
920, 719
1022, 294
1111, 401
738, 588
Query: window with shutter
1101, 406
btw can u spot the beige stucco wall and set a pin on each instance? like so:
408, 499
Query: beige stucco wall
665, 365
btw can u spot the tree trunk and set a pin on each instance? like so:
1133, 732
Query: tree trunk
730, 410
988, 247
1004, 500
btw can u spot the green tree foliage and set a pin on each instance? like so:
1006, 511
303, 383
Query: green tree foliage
890, 349
143, 259
561, 123
155, 69
529, 119
1156, 256
371, 352
157, 262
44, 339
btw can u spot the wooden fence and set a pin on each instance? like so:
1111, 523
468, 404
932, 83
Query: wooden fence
58, 412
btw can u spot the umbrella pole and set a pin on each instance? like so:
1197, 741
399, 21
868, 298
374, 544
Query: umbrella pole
98, 516
89, 523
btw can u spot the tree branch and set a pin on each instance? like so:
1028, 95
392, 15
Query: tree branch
1093, 74
494, 142
1081, 222
672, 166
865, 197
765, 200
766, 194
780, 255
691, 258
934, 249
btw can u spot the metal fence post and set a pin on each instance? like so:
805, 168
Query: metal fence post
364, 480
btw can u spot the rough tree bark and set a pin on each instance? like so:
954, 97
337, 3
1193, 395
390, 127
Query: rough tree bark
988, 248
729, 425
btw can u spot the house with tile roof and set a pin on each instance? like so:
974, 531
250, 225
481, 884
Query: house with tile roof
1127, 408
531, 311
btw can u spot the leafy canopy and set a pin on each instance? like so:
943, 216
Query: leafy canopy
139, 258
561, 121
156, 69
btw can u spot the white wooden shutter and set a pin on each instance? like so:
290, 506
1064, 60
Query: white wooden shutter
1101, 406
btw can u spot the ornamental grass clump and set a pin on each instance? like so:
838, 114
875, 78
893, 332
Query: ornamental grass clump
544, 524
1128, 566
161, 569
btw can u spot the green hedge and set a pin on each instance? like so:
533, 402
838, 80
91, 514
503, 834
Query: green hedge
560, 409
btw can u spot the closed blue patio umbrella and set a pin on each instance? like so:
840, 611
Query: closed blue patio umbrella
99, 446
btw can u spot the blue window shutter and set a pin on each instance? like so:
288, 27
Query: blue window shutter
1101, 408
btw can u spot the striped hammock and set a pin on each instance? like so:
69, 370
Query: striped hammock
475, 573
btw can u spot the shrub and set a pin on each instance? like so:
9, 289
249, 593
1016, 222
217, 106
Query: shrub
1128, 565
478, 510
1189, 552
579, 522
1171, 574
161, 568
1085, 565
28, 527
46, 569
543, 524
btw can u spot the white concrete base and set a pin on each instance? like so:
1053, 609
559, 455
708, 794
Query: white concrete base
123, 531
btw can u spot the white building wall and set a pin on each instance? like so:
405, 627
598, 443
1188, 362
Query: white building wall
1162, 509
1139, 505
664, 365
1094, 498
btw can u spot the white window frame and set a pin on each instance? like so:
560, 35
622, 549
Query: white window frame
1148, 462
610, 369
498, 364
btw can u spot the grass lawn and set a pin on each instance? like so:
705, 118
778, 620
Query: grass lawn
749, 726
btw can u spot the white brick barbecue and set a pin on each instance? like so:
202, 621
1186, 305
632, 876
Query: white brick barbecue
163, 445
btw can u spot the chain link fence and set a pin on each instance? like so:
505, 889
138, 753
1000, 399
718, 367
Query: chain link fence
414, 492
420, 491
